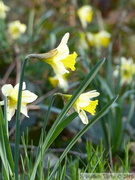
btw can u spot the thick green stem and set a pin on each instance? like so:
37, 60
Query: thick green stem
17, 133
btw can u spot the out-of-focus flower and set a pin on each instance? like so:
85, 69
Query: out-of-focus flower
85, 14
82, 41
84, 103
90, 38
12, 98
127, 70
15, 29
102, 39
3, 9
55, 82
59, 58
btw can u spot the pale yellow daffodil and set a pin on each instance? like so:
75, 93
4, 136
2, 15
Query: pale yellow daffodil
85, 14
127, 70
12, 96
15, 29
55, 82
90, 38
102, 39
84, 103
59, 58
3, 9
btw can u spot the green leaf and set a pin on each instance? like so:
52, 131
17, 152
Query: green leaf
5, 150
61, 126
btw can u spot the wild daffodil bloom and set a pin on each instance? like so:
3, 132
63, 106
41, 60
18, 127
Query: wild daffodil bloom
55, 82
102, 39
126, 70
12, 97
3, 9
15, 29
85, 14
84, 103
59, 58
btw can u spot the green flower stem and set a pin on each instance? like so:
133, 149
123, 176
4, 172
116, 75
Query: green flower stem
5, 114
17, 133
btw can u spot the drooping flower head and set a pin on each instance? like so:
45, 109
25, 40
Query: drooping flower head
85, 14
15, 29
84, 103
59, 58
12, 98
3, 9
127, 70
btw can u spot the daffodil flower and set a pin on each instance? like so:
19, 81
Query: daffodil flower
85, 13
102, 39
127, 70
15, 29
12, 97
84, 103
55, 82
59, 58
3, 9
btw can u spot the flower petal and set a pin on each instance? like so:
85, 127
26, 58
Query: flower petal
28, 97
83, 116
83, 101
24, 110
64, 39
69, 61
10, 113
7, 89
63, 50
90, 94
1, 103
17, 86
54, 81
91, 107
59, 68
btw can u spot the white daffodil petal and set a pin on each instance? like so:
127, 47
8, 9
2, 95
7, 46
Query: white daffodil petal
10, 113
63, 84
63, 50
77, 108
24, 110
28, 97
83, 101
1, 103
90, 94
83, 116
59, 68
7, 89
64, 39
17, 86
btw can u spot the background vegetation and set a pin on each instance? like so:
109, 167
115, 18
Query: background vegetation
107, 146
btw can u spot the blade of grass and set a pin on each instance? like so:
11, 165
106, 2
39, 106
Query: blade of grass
97, 116
5, 150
